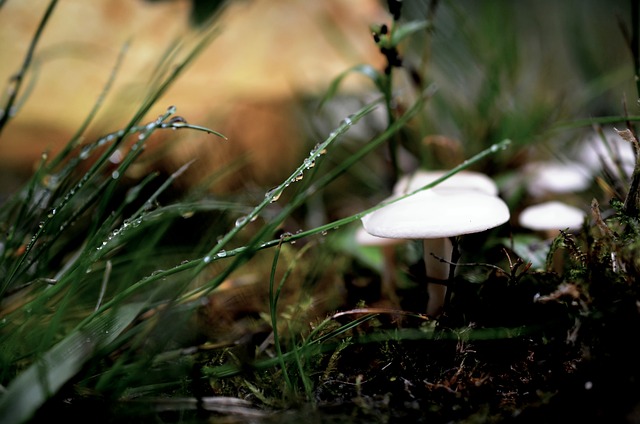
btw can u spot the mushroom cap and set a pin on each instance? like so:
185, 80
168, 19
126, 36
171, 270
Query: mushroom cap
597, 153
363, 238
556, 177
468, 180
436, 214
551, 215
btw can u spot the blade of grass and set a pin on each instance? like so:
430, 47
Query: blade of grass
7, 112
273, 310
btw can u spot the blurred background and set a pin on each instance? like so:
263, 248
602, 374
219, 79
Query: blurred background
503, 69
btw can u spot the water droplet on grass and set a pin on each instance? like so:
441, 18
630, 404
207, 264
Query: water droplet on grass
84, 153
177, 120
308, 163
273, 193
116, 157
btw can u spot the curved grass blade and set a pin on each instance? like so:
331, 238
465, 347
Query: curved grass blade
367, 70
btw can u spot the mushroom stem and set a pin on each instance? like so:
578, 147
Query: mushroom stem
437, 270
388, 289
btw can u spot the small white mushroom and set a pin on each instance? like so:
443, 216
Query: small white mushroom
556, 177
549, 218
611, 153
434, 216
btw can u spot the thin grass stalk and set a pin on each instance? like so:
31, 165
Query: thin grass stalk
7, 111
634, 44
273, 309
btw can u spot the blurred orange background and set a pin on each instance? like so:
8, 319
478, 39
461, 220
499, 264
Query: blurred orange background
247, 84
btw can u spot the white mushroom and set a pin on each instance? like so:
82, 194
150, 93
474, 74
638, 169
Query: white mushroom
549, 218
556, 177
433, 216
611, 153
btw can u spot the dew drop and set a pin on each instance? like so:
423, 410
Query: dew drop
171, 109
84, 153
115, 175
318, 150
51, 181
347, 121
222, 254
241, 221
273, 193
116, 157
206, 259
177, 120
